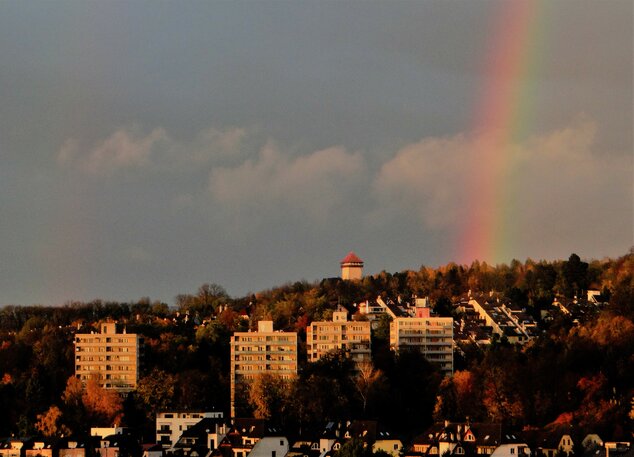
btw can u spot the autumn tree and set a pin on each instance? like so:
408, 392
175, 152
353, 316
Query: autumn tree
90, 405
49, 423
156, 391
269, 396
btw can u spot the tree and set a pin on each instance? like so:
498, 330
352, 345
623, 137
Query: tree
268, 395
366, 379
103, 406
575, 275
156, 391
91, 405
49, 423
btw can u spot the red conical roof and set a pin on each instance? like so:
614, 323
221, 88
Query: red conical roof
351, 258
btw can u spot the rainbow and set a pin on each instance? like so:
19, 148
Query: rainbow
501, 116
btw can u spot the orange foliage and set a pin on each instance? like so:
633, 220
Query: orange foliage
101, 403
49, 423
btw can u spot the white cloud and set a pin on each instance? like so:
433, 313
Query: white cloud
129, 148
123, 149
314, 184
555, 188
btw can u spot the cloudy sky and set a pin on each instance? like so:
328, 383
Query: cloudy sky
148, 147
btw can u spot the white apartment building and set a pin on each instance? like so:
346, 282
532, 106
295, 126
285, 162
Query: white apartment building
171, 424
351, 336
110, 356
256, 353
432, 336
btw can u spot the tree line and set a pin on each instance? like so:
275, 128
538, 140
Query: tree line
580, 374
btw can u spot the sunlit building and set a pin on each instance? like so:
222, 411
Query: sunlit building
257, 353
351, 267
111, 356
340, 333
432, 336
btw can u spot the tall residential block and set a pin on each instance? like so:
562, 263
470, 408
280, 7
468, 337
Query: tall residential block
111, 356
340, 333
432, 336
351, 267
257, 353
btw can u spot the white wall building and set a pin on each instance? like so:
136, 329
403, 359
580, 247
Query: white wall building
171, 424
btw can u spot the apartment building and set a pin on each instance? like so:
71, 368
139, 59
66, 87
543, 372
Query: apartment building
432, 336
256, 353
340, 333
111, 356
504, 318
170, 425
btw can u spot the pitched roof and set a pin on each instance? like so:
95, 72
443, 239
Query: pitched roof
351, 258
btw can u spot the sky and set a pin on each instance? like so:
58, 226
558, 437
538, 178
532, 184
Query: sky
148, 147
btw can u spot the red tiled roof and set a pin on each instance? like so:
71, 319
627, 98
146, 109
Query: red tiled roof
351, 258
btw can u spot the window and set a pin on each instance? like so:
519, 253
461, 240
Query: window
512, 450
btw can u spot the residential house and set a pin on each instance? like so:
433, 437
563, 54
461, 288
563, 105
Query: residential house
118, 446
77, 447
171, 424
39, 448
460, 438
200, 439
153, 450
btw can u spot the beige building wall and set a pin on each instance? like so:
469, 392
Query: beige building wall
351, 336
110, 355
432, 336
256, 353
351, 267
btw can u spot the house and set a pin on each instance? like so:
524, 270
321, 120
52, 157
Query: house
200, 439
76, 447
243, 435
118, 446
270, 446
304, 448
512, 450
14, 447
550, 441
460, 438
153, 450
171, 424
39, 448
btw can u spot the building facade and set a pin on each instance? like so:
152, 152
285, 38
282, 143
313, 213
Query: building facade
257, 353
111, 356
340, 333
432, 336
170, 425
351, 267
